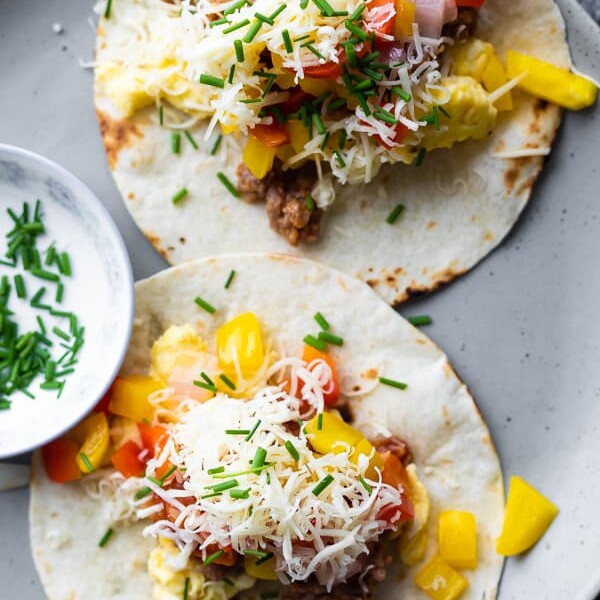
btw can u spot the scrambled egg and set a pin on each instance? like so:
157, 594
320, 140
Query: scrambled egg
472, 114
179, 344
169, 583
471, 58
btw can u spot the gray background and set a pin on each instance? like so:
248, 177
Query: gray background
522, 329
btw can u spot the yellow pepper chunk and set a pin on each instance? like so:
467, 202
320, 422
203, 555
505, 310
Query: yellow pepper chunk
129, 397
298, 134
405, 17
551, 83
364, 447
440, 581
317, 87
494, 77
527, 516
265, 570
258, 157
334, 436
240, 340
95, 444
457, 538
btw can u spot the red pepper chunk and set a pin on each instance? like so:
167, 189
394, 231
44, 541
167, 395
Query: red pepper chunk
387, 27
470, 3
126, 460
394, 474
271, 136
401, 131
151, 436
310, 354
59, 458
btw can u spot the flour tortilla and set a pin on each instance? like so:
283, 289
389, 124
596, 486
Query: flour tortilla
458, 206
436, 415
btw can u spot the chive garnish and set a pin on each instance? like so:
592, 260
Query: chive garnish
213, 495
43, 274
420, 320
179, 196
331, 338
322, 321
289, 446
252, 31
311, 340
252, 471
257, 553
207, 378
325, 482
310, 203
445, 112
393, 383
107, 9
320, 422
231, 74
420, 157
336, 104
60, 288
210, 80
240, 494
175, 142
259, 458
186, 588
86, 461
218, 22
355, 30
41, 324
216, 144
396, 212
64, 264
264, 559
402, 94
239, 50
236, 26
103, 541
235, 6
190, 139
210, 559
61, 334
385, 116
216, 470
277, 11
287, 42
225, 181
237, 431
264, 19
224, 486
252, 431
227, 381
142, 493
229, 279
161, 115
365, 485
20, 286
205, 305
358, 11
205, 386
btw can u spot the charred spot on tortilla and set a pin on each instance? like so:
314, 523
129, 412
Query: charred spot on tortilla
117, 134
155, 241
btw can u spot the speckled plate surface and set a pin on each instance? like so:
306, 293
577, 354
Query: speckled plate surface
521, 329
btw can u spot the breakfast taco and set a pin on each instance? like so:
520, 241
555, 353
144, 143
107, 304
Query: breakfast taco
265, 440
392, 139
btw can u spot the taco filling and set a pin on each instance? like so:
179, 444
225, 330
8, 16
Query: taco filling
340, 87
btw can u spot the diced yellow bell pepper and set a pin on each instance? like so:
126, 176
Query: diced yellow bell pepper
298, 134
440, 581
228, 129
284, 152
457, 538
405, 17
285, 79
95, 444
527, 516
317, 87
551, 83
258, 157
364, 447
129, 397
334, 436
494, 77
240, 339
264, 570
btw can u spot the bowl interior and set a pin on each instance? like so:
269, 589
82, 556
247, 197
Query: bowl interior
99, 292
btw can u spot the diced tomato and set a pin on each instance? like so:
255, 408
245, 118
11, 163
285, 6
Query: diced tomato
310, 354
386, 27
102, 405
59, 459
328, 70
471, 3
126, 460
272, 135
297, 98
166, 466
401, 131
394, 474
150, 436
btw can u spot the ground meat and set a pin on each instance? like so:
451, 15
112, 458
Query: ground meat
394, 445
372, 569
464, 25
285, 193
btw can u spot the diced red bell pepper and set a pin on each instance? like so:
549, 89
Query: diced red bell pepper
401, 131
470, 3
394, 474
126, 460
386, 28
59, 458
311, 354
151, 435
272, 136
295, 101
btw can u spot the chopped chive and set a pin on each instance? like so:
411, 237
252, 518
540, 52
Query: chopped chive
264, 559
302, 37
318, 124
289, 446
167, 474
375, 75
230, 187
250, 100
186, 588
339, 159
217, 22
142, 493
205, 386
190, 139
179, 196
240, 494
257, 553
237, 431
20, 286
205, 305
385, 116
216, 144
277, 11
303, 4
50, 255
230, 279
154, 480
61, 334
4, 404
161, 115
259, 458
60, 288
216, 470
227, 381
325, 482
396, 212
213, 495
264, 18
322, 321
214, 81
231, 74
402, 94
228, 581
392, 383
42, 274
310, 203
330, 338
86, 461
336, 104
107, 9
236, 6
41, 324
365, 485
310, 340
175, 142
207, 378
103, 541
38, 296
239, 50
224, 486
312, 49
64, 264
420, 157
210, 559
236, 26
358, 11
252, 31
287, 42
445, 112
251, 471
252, 431
420, 320
355, 30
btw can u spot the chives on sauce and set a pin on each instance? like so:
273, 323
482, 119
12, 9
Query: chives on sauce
104, 540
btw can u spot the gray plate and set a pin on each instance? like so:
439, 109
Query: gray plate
522, 329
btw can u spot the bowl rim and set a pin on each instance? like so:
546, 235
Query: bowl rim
128, 305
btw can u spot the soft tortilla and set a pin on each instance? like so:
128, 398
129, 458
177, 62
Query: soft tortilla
454, 453
458, 206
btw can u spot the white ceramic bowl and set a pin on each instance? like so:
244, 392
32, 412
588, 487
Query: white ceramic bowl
100, 293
